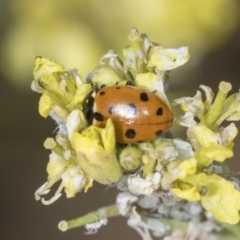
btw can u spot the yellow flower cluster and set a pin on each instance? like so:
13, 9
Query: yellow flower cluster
82, 152
193, 178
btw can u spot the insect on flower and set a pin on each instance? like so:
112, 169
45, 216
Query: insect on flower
138, 115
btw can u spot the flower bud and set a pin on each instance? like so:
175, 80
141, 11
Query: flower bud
130, 158
145, 147
50, 143
148, 149
95, 153
105, 76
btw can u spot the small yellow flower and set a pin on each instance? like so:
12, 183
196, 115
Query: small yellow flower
214, 152
222, 199
45, 65
75, 122
204, 135
167, 59
103, 75
74, 180
191, 194
203, 119
176, 171
216, 194
189, 188
95, 152
152, 82
180, 169
210, 113
60, 89
56, 165
46, 104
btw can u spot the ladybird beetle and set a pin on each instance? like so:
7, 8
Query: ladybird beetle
137, 115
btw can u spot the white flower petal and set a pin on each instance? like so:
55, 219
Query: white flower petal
73, 180
193, 104
74, 74
152, 83
75, 121
209, 96
184, 149
41, 191
187, 120
51, 200
138, 185
92, 228
109, 55
227, 134
56, 165
167, 59
124, 202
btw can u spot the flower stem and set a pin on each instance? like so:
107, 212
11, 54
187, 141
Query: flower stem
171, 223
149, 165
235, 229
106, 212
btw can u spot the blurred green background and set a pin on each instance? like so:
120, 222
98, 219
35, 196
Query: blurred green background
76, 33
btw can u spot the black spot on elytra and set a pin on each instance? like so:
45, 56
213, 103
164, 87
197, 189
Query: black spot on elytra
98, 116
159, 111
159, 132
111, 110
144, 97
102, 93
130, 133
118, 87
